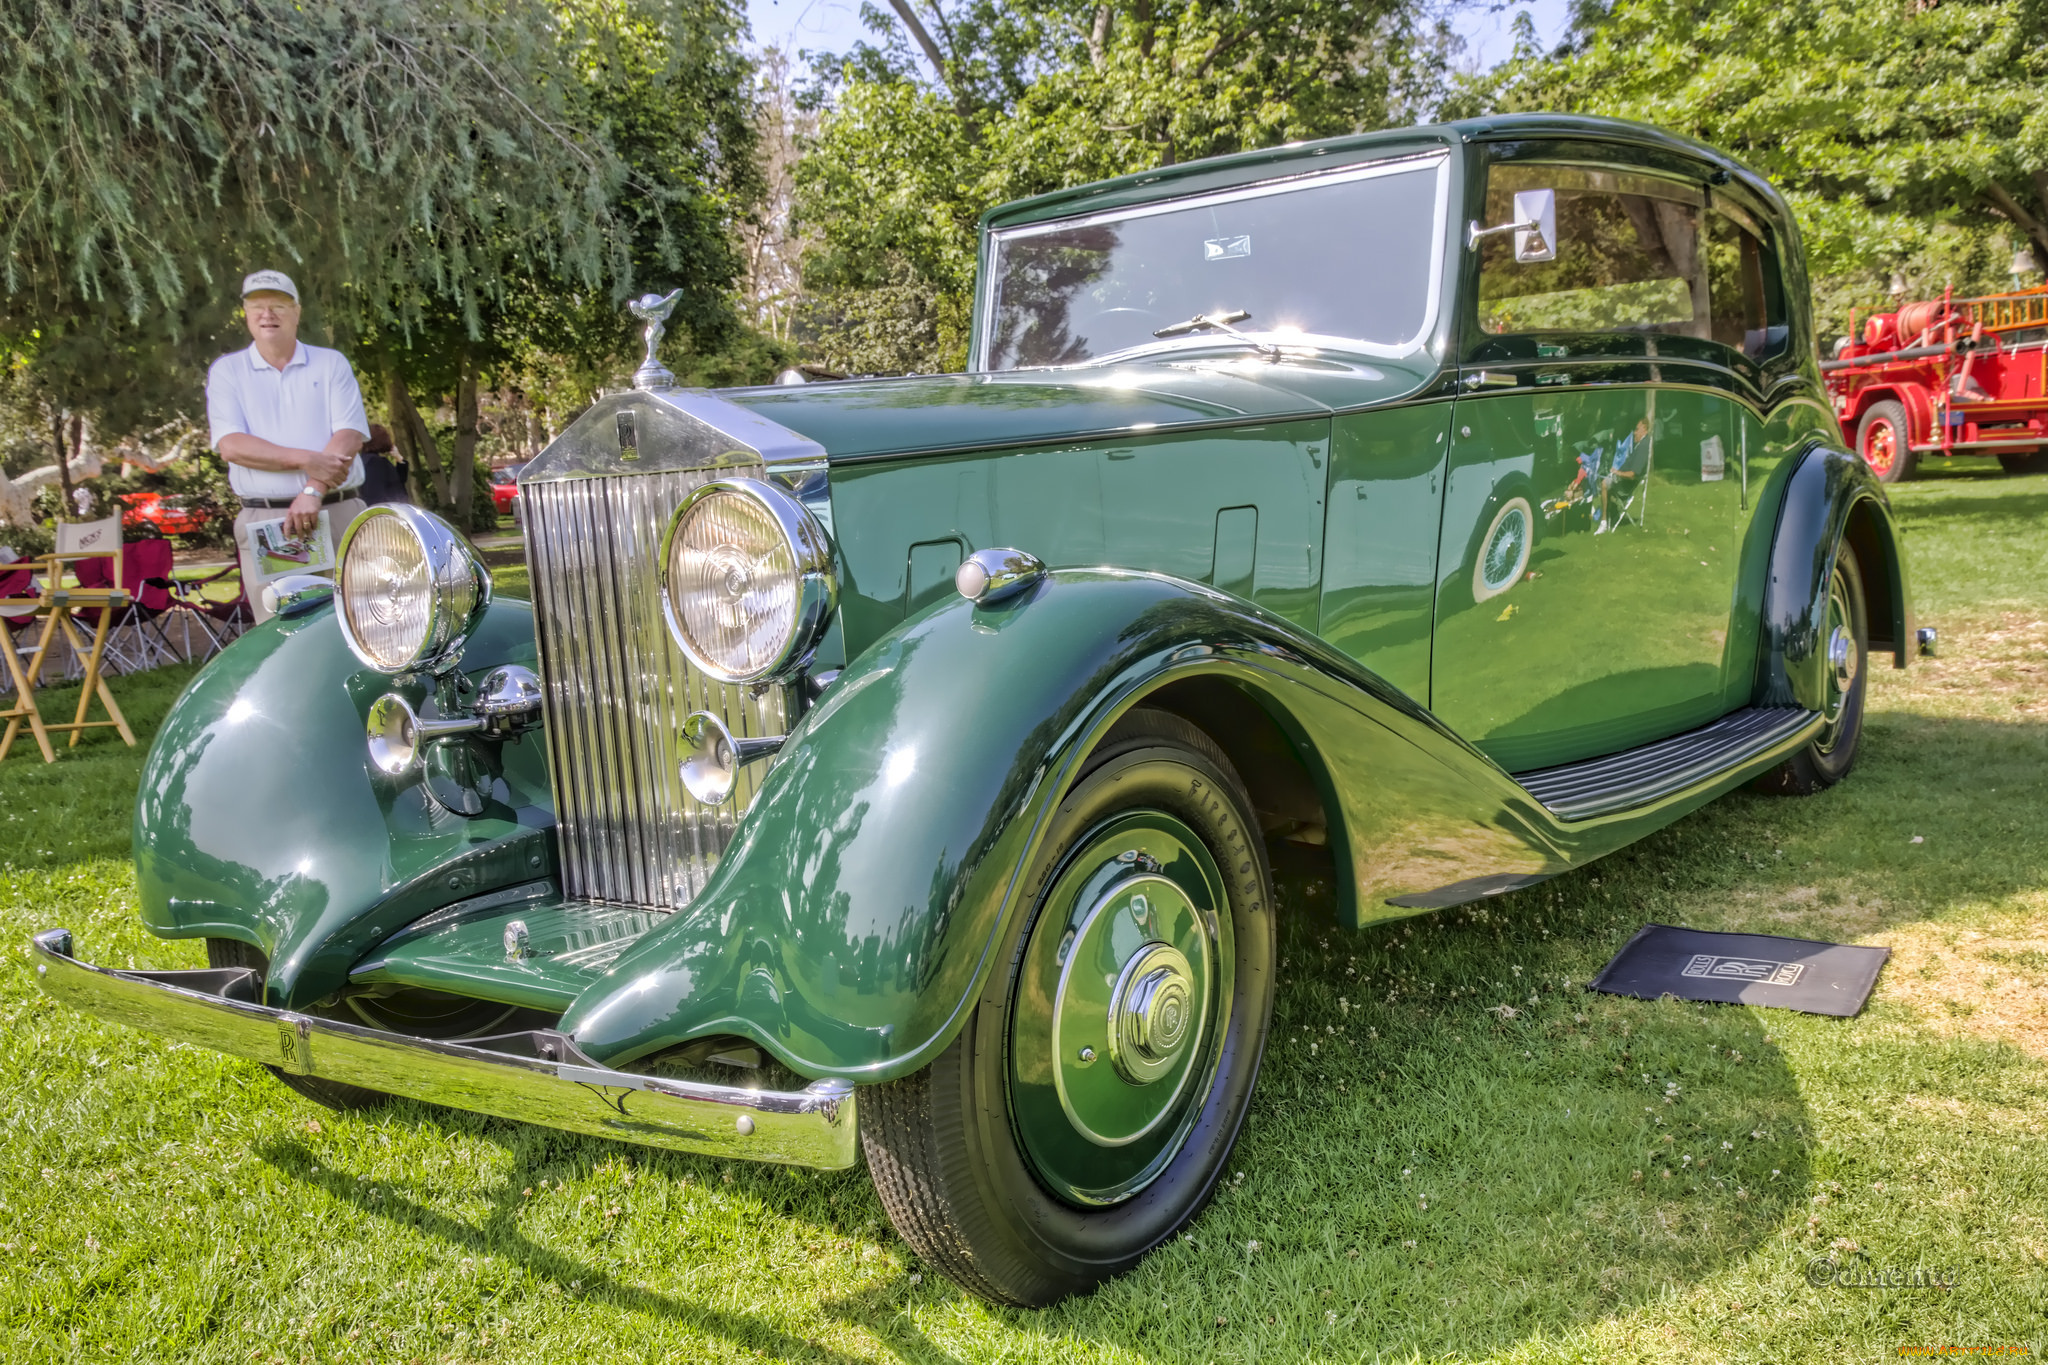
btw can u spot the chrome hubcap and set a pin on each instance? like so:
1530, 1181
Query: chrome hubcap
1149, 1013
1842, 657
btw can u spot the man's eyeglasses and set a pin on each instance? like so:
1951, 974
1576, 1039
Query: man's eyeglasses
273, 309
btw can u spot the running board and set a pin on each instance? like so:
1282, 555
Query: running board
1636, 777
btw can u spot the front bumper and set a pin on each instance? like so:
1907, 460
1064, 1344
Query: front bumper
816, 1126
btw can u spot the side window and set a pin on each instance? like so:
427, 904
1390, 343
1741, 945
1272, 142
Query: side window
1636, 254
1629, 256
1743, 285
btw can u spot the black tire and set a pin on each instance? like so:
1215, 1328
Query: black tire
943, 1146
1828, 757
1884, 440
227, 952
2032, 462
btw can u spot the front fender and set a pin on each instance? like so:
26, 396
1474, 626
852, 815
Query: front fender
1831, 496
260, 818
868, 893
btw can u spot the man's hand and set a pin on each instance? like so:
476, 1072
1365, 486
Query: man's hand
327, 467
303, 515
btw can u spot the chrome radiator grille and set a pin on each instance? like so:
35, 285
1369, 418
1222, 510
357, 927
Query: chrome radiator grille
618, 688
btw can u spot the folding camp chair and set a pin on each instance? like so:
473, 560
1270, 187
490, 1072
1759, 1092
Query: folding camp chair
146, 578
96, 554
20, 597
220, 622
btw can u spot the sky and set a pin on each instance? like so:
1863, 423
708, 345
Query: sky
834, 25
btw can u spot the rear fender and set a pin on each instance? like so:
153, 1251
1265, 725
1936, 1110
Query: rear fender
874, 882
261, 819
1830, 498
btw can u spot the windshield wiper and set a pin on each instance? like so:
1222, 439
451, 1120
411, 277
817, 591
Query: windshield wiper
1220, 322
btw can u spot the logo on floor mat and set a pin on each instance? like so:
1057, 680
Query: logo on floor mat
1758, 969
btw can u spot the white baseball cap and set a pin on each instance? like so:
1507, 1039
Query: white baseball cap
269, 279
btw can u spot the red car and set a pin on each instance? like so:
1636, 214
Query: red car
505, 488
170, 513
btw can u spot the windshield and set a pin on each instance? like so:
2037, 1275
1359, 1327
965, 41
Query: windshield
1351, 258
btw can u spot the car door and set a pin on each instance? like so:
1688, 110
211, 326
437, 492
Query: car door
1594, 509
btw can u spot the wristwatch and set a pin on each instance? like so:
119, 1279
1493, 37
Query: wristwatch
312, 490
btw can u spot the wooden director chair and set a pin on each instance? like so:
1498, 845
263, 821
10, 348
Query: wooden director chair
54, 604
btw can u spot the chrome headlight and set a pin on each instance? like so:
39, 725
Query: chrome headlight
746, 580
411, 589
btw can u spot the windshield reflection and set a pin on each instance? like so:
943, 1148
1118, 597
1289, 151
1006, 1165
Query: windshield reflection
1350, 258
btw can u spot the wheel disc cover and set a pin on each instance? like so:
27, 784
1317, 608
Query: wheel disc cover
1122, 994
1842, 663
1881, 450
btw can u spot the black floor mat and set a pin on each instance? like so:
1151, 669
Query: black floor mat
1747, 969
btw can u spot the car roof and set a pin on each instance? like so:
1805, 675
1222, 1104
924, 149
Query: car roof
1238, 168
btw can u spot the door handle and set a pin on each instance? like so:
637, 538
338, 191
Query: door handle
1489, 379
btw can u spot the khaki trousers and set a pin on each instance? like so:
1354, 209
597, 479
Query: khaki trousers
339, 515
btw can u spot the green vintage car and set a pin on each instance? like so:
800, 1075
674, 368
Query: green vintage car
894, 767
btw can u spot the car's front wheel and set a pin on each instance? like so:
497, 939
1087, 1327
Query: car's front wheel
1084, 1113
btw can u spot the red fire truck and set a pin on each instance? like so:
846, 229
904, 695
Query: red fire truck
1947, 377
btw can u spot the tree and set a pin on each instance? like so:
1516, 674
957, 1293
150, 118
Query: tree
1909, 137
423, 167
963, 104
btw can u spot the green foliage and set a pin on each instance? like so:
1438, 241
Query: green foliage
1034, 97
455, 184
1909, 137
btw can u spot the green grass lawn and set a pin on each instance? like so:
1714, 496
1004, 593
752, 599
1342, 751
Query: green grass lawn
1421, 1178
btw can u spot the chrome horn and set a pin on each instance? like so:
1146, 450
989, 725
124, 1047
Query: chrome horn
712, 758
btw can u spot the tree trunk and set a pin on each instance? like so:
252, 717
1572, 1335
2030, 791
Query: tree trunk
70, 509
429, 482
462, 477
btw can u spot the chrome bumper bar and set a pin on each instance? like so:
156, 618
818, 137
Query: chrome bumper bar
816, 1126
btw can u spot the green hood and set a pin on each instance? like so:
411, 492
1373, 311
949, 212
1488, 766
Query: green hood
1205, 387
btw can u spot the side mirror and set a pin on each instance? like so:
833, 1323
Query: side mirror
1534, 226
1537, 241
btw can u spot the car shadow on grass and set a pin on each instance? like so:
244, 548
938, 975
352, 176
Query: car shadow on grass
499, 1235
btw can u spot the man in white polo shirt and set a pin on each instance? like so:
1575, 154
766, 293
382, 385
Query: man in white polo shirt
288, 418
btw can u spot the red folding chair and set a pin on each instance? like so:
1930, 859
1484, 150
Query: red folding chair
146, 577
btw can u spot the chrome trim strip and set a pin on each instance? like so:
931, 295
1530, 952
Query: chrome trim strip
670, 430
817, 1126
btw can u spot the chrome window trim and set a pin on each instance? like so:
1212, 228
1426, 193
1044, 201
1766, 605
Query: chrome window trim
1432, 304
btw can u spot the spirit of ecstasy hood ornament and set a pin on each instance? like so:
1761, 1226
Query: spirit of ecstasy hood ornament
653, 309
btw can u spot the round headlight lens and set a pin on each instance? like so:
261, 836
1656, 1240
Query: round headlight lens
410, 589
747, 582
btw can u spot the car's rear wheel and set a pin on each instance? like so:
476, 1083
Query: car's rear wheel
1845, 638
1085, 1111
1882, 440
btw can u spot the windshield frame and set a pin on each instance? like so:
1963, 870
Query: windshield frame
1291, 343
